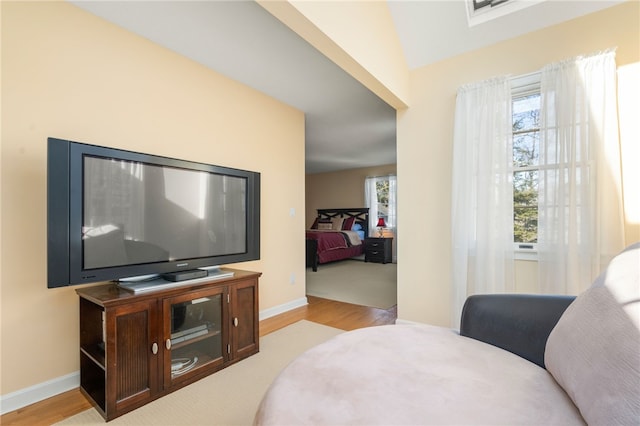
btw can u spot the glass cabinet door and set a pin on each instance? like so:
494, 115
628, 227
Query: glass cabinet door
194, 331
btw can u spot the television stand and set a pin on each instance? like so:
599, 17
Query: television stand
138, 347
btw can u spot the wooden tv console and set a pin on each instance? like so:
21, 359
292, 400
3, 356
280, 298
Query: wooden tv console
137, 347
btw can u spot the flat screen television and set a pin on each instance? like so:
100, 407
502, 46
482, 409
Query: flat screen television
113, 214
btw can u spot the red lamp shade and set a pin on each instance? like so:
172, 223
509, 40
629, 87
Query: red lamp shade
381, 223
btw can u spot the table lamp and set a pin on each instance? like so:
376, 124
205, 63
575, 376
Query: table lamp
380, 226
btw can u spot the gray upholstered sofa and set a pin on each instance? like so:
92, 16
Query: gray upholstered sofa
536, 360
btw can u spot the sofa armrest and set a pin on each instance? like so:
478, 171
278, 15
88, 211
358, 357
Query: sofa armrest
518, 323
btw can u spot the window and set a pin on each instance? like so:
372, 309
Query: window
526, 149
480, 11
380, 197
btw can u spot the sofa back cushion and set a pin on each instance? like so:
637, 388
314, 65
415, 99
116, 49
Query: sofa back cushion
594, 350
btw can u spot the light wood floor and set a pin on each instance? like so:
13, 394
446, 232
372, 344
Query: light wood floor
340, 315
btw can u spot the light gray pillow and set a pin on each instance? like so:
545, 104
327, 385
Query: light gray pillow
594, 350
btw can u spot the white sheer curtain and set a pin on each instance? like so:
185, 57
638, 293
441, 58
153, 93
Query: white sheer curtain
371, 201
393, 219
482, 193
580, 223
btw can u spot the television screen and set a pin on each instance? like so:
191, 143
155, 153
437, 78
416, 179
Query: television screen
115, 214
141, 213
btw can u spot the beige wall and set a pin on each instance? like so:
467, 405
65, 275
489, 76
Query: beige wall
425, 153
339, 190
628, 112
68, 74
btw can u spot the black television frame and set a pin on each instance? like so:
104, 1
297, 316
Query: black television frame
64, 215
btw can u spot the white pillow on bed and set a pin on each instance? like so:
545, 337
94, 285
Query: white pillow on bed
336, 223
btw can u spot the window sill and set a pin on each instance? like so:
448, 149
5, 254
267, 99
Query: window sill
525, 254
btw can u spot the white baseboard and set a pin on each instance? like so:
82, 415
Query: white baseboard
401, 321
36, 393
32, 394
280, 309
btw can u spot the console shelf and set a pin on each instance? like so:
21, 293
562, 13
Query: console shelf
208, 335
137, 347
94, 353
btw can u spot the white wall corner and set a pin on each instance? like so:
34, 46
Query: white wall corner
277, 310
27, 396
407, 322
402, 321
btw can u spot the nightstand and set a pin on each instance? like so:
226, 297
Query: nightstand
378, 250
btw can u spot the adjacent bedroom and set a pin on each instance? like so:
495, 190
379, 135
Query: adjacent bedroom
351, 238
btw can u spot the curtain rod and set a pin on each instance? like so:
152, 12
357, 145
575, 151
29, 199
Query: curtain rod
527, 75
538, 72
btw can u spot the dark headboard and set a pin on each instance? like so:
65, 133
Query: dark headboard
361, 215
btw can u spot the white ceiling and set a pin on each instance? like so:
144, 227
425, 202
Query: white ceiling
432, 30
347, 126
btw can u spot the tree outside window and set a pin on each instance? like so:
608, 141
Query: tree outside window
382, 191
526, 138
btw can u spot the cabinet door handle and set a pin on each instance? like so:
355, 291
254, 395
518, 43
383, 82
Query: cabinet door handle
235, 321
154, 348
167, 343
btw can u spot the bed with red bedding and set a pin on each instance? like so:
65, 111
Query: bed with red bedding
336, 234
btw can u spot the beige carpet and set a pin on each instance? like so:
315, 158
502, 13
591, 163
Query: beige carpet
353, 281
230, 396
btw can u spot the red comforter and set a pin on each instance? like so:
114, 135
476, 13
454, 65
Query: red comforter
328, 240
335, 245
